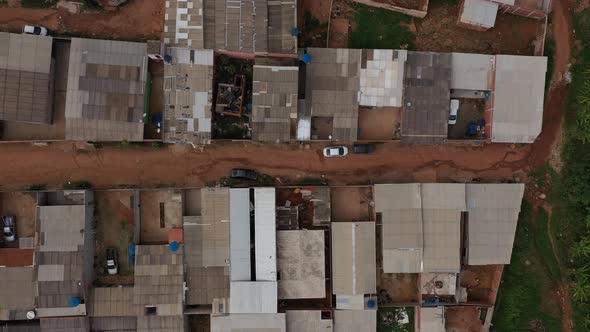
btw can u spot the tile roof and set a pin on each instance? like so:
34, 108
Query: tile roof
332, 87
274, 102
183, 23
105, 94
301, 264
26, 78
282, 18
382, 77
518, 98
11, 257
353, 258
188, 88
427, 97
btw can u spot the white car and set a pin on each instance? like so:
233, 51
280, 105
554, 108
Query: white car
335, 151
454, 111
35, 30
8, 228
112, 266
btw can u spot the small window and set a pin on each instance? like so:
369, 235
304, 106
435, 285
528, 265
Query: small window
151, 310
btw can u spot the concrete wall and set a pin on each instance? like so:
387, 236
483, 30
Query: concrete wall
411, 12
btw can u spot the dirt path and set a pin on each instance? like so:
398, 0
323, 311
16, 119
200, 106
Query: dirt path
139, 19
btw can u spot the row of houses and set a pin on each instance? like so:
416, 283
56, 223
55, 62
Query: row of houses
272, 259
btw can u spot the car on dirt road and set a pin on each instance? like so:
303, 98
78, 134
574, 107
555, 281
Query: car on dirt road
8, 228
335, 151
112, 263
363, 148
243, 173
454, 111
35, 30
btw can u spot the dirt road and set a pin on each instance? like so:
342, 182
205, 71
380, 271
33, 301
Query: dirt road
139, 19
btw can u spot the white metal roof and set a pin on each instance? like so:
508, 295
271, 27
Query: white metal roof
249, 323
382, 79
239, 216
518, 98
265, 240
251, 297
479, 13
472, 71
432, 319
355, 320
493, 215
307, 321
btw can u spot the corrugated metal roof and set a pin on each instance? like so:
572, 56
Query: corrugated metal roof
183, 23
115, 324
518, 98
249, 323
105, 93
427, 96
17, 288
205, 284
353, 258
26, 78
240, 233
332, 85
274, 102
265, 246
493, 215
301, 264
188, 88
402, 234
432, 319
308, 321
282, 18
59, 275
481, 13
382, 77
472, 71
160, 323
355, 320
65, 324
62, 227
112, 302
251, 297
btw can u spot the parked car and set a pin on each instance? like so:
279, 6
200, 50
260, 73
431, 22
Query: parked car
454, 111
243, 173
112, 263
335, 151
363, 148
9, 229
35, 30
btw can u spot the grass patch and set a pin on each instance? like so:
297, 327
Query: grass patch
388, 319
524, 296
38, 3
544, 243
381, 29
77, 185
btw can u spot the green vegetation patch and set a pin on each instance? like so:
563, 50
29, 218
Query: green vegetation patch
381, 29
391, 319
38, 3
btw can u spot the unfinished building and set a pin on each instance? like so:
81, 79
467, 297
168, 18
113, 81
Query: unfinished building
26, 78
188, 89
105, 98
481, 14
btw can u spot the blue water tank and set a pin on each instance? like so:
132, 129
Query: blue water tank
371, 304
174, 246
75, 301
131, 249
306, 58
295, 32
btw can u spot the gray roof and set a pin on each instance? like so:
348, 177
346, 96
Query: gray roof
249, 297
274, 102
472, 71
17, 288
59, 275
432, 319
105, 94
353, 258
115, 324
493, 215
112, 302
160, 324
479, 13
206, 284
187, 96
183, 23
426, 98
355, 320
258, 26
26, 78
402, 234
249, 323
62, 227
332, 86
382, 78
301, 264
518, 98
240, 250
159, 278
308, 321
65, 324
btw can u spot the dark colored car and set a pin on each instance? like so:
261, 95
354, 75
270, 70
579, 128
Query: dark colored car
363, 148
243, 173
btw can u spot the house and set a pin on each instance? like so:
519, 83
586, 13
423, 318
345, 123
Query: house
105, 98
18, 283
355, 320
307, 320
481, 14
26, 73
188, 89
